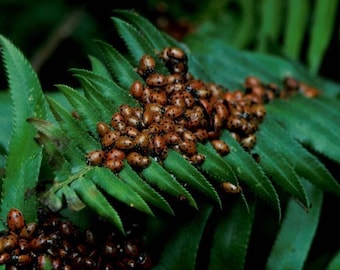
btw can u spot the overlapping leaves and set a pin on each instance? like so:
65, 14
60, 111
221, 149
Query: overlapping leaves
284, 161
106, 87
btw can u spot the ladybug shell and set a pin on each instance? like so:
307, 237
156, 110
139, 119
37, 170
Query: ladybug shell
15, 220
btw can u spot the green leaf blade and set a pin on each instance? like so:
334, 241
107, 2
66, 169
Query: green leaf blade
157, 175
129, 176
248, 171
95, 199
184, 171
24, 159
116, 188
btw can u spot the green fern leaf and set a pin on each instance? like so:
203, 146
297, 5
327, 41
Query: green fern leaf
296, 234
74, 129
176, 164
115, 187
130, 177
24, 159
231, 237
108, 89
215, 166
99, 68
295, 27
278, 168
158, 176
119, 67
147, 29
248, 171
306, 128
104, 106
82, 107
304, 163
72, 199
322, 27
181, 250
136, 42
95, 199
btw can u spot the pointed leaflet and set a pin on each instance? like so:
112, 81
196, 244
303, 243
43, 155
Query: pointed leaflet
115, 187
309, 130
137, 43
296, 234
278, 168
136, 39
181, 250
176, 164
295, 27
105, 107
248, 171
145, 27
24, 159
99, 68
322, 27
82, 106
95, 199
158, 176
215, 166
130, 177
106, 88
304, 163
119, 67
231, 237
75, 129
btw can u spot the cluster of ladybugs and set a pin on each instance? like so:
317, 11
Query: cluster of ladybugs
55, 242
177, 111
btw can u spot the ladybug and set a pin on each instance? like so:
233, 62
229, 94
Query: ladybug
173, 111
189, 100
176, 53
130, 131
125, 110
221, 110
28, 230
114, 165
148, 116
174, 79
159, 144
10, 241
95, 158
188, 147
134, 121
136, 89
102, 128
124, 143
156, 79
115, 154
189, 136
220, 146
4, 258
201, 135
117, 121
137, 160
142, 140
15, 220
230, 188
248, 142
147, 65
172, 138
159, 97
251, 81
179, 67
197, 159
